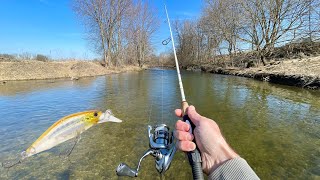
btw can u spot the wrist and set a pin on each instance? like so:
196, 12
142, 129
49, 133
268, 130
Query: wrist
223, 153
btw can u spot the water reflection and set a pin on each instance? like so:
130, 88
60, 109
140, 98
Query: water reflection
276, 128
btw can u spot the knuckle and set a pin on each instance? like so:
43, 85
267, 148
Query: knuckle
180, 136
183, 136
178, 124
186, 126
186, 136
181, 145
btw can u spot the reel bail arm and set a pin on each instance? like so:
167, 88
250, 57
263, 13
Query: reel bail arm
162, 148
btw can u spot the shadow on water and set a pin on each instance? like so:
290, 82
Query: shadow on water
275, 128
64, 175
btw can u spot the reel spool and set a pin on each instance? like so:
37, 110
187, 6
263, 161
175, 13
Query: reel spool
162, 148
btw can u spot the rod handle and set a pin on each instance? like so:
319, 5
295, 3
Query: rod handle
184, 105
194, 156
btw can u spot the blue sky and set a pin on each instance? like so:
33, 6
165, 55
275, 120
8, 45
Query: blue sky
50, 27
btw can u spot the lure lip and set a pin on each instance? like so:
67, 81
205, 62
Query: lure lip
108, 117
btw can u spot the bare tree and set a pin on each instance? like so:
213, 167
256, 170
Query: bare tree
186, 41
102, 19
260, 23
271, 22
197, 41
140, 28
225, 16
312, 30
119, 29
213, 36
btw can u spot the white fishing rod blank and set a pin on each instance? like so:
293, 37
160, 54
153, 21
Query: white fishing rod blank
194, 157
183, 97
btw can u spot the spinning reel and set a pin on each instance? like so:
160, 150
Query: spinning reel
162, 148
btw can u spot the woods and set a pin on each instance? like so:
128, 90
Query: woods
231, 28
119, 30
232, 32
273, 40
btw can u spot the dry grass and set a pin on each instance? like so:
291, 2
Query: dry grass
294, 72
27, 70
297, 67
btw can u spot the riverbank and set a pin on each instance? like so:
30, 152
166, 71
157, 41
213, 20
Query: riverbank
293, 72
36, 70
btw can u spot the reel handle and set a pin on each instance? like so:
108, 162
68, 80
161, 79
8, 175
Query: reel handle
124, 170
194, 156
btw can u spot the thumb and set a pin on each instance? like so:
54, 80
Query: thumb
193, 115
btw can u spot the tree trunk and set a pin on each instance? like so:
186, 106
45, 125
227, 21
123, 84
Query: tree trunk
262, 58
105, 53
108, 57
105, 58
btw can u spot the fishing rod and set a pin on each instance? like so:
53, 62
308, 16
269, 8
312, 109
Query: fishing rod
194, 157
161, 140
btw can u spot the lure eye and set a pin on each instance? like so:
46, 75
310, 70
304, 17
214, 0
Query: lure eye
95, 114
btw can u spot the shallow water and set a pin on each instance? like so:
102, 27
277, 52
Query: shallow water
275, 128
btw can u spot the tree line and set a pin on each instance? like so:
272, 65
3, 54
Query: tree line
119, 30
231, 27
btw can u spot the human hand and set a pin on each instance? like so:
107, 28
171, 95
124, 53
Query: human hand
213, 147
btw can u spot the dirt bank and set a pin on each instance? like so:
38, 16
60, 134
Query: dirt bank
295, 72
31, 70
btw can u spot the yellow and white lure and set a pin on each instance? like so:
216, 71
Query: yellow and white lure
67, 128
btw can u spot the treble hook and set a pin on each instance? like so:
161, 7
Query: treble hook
9, 165
68, 152
166, 41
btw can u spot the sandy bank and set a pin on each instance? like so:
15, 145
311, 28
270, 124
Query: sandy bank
31, 70
295, 72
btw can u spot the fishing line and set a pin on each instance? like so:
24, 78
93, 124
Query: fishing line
164, 42
150, 111
162, 92
162, 144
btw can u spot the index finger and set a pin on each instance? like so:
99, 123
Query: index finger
178, 112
